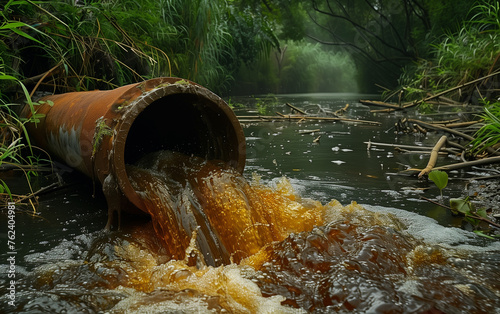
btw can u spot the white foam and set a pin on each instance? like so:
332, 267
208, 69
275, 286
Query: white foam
428, 230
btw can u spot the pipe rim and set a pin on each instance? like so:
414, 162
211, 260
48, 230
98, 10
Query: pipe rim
167, 87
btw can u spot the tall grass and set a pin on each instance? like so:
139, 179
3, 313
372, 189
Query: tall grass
201, 39
104, 44
489, 134
16, 150
84, 47
463, 56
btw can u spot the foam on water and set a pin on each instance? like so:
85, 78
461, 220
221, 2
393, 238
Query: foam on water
428, 230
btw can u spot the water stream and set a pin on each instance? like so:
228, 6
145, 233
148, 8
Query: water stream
311, 226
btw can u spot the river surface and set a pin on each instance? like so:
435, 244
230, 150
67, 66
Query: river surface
379, 246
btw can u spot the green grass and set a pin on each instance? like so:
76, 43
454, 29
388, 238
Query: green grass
460, 57
489, 134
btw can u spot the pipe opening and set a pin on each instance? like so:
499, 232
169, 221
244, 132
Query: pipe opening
185, 123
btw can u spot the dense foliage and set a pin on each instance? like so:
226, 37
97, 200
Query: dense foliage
246, 47
467, 54
102, 44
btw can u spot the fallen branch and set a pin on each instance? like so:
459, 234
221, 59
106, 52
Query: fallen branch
294, 117
494, 176
456, 87
422, 152
43, 190
295, 108
434, 156
461, 124
423, 148
341, 111
445, 122
380, 104
490, 150
442, 128
309, 131
484, 161
381, 110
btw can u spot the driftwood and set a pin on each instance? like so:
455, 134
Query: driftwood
434, 156
484, 161
309, 131
445, 121
457, 87
283, 117
296, 109
461, 124
341, 111
494, 176
381, 104
416, 148
381, 110
421, 152
442, 128
490, 150
460, 165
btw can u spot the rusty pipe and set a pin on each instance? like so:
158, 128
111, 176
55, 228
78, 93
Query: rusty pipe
100, 132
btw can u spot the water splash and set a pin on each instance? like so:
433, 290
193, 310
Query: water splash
218, 243
234, 219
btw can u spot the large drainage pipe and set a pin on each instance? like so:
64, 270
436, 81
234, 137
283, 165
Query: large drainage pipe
100, 132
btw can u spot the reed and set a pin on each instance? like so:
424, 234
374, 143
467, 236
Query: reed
460, 57
489, 134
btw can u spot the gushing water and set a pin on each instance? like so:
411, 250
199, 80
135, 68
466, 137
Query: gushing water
308, 255
218, 243
233, 219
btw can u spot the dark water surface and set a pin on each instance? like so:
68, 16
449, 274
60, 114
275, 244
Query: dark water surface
340, 166
400, 255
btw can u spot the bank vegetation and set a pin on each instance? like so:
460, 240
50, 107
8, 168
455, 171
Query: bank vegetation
421, 54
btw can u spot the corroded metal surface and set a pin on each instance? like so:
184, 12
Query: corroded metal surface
99, 132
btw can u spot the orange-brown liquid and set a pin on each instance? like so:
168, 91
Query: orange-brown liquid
221, 243
233, 219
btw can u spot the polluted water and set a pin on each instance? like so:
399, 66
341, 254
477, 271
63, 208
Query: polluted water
219, 243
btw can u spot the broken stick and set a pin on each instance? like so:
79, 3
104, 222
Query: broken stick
296, 109
434, 156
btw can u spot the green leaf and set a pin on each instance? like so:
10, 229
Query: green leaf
440, 178
460, 205
473, 221
14, 26
7, 77
482, 234
5, 189
482, 213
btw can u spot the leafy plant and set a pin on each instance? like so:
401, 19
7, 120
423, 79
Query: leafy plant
487, 16
265, 105
489, 134
474, 216
426, 108
440, 179
460, 56
14, 138
464, 207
